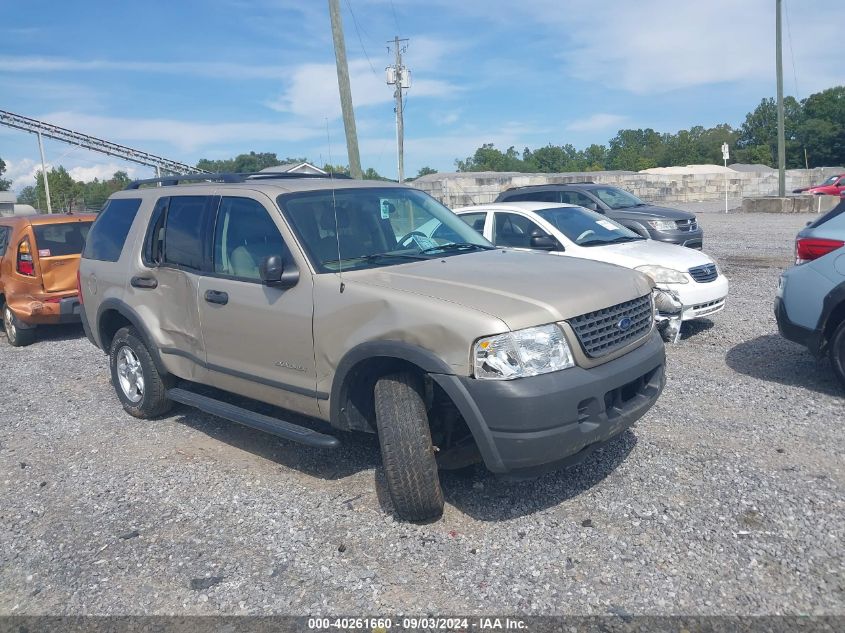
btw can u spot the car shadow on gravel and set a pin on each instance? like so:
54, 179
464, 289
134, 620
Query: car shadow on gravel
774, 359
56, 333
692, 329
357, 452
486, 497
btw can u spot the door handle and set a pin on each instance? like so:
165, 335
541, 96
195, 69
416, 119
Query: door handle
143, 282
216, 296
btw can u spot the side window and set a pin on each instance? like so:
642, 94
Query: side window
576, 197
243, 236
514, 230
5, 232
475, 220
106, 238
184, 227
538, 196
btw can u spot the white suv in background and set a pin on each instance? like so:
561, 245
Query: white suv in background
689, 283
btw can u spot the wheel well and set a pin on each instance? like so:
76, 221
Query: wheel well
357, 407
836, 317
110, 322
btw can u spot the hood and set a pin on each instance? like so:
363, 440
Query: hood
650, 212
523, 289
642, 252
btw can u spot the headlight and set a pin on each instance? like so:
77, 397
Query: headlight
529, 352
663, 225
663, 275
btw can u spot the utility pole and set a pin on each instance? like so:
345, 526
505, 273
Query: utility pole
44, 174
399, 76
781, 134
345, 90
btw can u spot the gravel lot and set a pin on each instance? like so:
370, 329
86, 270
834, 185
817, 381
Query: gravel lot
728, 497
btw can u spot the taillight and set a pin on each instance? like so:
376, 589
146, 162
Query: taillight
79, 286
25, 265
809, 248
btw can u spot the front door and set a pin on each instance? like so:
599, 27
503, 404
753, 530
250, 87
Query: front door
258, 339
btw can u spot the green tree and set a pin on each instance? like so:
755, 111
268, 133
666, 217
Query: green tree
28, 195
822, 130
636, 149
488, 158
4, 184
760, 129
425, 171
246, 163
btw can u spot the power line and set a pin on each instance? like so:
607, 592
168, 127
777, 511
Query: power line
791, 51
395, 19
360, 40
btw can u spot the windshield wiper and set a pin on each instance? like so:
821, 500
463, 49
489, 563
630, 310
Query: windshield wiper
618, 240
375, 257
457, 246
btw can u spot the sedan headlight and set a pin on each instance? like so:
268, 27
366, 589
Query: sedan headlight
663, 275
663, 225
528, 352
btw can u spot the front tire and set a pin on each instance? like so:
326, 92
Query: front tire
16, 335
406, 450
142, 390
837, 352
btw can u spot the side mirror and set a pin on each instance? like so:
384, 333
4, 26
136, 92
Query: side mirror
270, 269
543, 242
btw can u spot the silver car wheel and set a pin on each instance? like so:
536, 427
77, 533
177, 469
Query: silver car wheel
9, 323
130, 374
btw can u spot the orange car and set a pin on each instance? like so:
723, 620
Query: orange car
39, 259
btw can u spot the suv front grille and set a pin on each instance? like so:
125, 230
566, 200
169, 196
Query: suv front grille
704, 274
687, 225
609, 329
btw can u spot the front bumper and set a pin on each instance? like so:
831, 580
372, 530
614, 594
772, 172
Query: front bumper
811, 339
690, 239
529, 425
35, 311
702, 299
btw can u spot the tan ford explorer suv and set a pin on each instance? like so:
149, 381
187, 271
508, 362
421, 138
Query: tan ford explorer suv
323, 297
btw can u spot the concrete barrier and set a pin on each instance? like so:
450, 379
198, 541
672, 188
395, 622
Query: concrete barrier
466, 188
789, 204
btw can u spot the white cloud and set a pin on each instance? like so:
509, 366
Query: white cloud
654, 46
229, 70
100, 171
312, 92
184, 135
22, 172
596, 122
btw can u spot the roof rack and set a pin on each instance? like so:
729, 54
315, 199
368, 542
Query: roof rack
171, 181
553, 184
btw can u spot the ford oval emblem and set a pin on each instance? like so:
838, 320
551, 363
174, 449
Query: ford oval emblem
624, 324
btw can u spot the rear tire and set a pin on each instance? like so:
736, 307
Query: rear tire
406, 450
16, 335
837, 352
142, 390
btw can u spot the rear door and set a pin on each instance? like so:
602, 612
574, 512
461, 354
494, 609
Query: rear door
258, 338
57, 249
164, 290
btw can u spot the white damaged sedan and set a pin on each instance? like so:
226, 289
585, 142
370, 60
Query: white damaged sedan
689, 284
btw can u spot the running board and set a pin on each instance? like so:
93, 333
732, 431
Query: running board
265, 423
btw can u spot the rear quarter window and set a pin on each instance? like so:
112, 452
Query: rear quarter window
5, 234
56, 240
108, 234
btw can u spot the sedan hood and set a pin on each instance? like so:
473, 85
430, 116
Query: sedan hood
650, 212
522, 289
642, 252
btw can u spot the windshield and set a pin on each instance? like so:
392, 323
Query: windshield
616, 198
829, 181
56, 240
587, 228
345, 229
